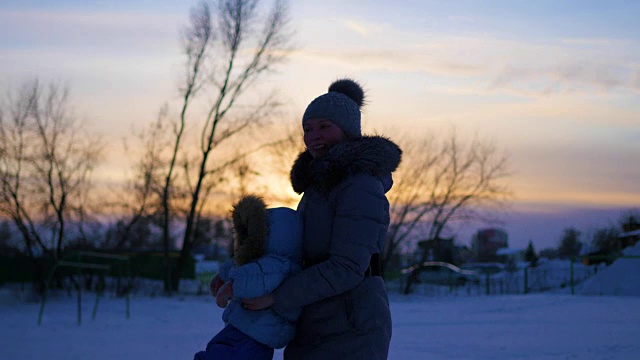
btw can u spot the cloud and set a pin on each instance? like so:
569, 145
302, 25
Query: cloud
522, 79
575, 173
134, 30
531, 67
590, 41
365, 29
357, 27
568, 110
390, 60
635, 83
92, 19
461, 19
569, 77
527, 68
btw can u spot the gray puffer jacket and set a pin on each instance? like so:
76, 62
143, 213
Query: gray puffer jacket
345, 216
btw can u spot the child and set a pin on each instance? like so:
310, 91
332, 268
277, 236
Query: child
267, 249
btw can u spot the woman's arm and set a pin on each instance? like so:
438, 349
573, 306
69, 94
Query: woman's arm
261, 276
360, 221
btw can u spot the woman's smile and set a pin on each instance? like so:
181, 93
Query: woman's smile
320, 135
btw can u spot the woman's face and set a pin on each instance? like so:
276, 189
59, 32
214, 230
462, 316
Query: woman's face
320, 135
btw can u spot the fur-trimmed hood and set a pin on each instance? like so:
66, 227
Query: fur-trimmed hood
373, 155
251, 228
260, 231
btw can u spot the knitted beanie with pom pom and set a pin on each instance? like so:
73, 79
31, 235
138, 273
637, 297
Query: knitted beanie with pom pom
341, 105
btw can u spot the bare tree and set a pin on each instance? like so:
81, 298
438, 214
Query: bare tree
228, 46
442, 182
16, 148
66, 157
197, 41
46, 159
141, 197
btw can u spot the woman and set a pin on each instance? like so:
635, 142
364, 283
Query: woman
344, 177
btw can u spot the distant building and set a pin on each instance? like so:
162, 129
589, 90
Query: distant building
631, 231
512, 258
437, 250
629, 238
631, 224
486, 242
445, 250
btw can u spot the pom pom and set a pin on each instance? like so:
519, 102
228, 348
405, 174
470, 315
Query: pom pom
350, 88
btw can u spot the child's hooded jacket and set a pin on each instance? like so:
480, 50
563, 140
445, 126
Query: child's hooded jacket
267, 249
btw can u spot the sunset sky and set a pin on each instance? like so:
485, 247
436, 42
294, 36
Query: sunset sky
554, 83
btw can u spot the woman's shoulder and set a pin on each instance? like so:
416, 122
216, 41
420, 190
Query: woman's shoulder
360, 184
362, 179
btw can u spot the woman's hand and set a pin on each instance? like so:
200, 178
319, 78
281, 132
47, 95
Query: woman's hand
258, 303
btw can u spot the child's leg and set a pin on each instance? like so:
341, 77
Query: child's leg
231, 343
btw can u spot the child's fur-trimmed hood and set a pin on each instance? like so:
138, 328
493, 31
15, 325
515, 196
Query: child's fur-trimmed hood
251, 228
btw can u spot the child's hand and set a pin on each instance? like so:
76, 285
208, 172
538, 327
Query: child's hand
225, 293
215, 284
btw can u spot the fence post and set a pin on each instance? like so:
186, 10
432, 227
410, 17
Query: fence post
526, 280
170, 276
129, 288
488, 286
572, 282
95, 304
79, 272
48, 280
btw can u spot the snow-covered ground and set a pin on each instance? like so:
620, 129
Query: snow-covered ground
490, 327
551, 325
